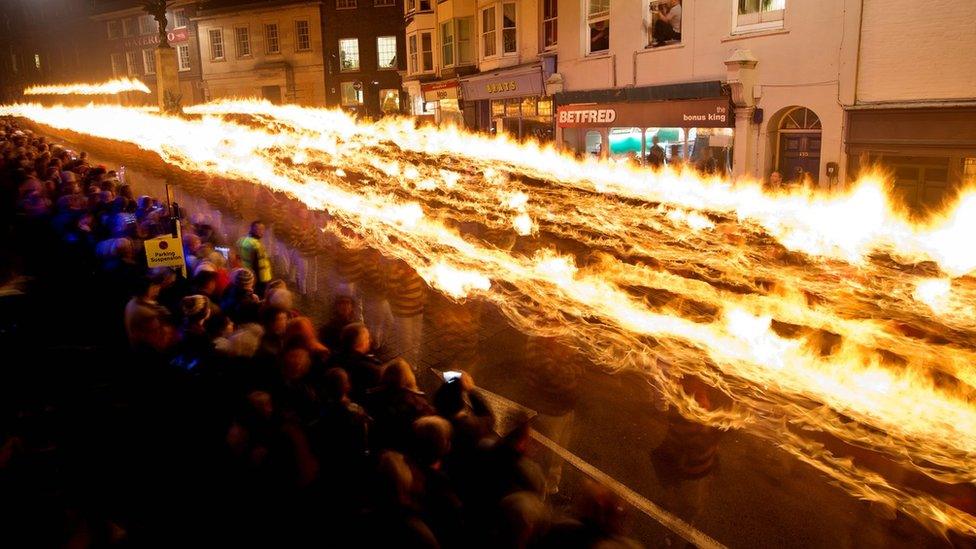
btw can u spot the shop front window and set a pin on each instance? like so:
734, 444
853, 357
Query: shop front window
625, 144
529, 107
390, 101
545, 106
512, 108
594, 143
497, 108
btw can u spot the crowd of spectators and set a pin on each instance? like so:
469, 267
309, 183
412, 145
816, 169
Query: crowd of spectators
146, 407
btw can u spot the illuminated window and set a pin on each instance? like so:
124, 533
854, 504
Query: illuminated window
271, 43
183, 55
349, 54
350, 95
597, 26
754, 15
545, 106
390, 101
549, 28
216, 44
149, 61
242, 39
303, 36
386, 47
497, 108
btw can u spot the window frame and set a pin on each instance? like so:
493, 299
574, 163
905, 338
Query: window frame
113, 24
413, 51
148, 61
484, 33
247, 41
549, 19
513, 28
121, 65
472, 22
298, 36
130, 27
423, 52
342, 95
447, 46
384, 3
358, 66
776, 19
346, 4
588, 20
379, 50
180, 48
268, 39
180, 13
147, 21
131, 63
219, 32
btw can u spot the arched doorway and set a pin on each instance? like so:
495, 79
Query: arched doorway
798, 148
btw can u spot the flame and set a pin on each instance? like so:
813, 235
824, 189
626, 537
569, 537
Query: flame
803, 309
110, 87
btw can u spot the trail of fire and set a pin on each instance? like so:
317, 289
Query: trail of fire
110, 87
714, 302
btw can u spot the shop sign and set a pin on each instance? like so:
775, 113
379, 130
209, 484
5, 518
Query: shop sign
174, 36
448, 89
693, 113
505, 85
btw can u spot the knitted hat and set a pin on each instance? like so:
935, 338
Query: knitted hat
242, 277
195, 307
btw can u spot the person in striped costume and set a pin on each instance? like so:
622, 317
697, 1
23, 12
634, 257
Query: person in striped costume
407, 296
553, 373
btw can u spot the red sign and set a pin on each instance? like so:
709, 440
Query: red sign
435, 91
690, 113
174, 36
442, 85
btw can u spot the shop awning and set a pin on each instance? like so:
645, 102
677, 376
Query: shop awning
517, 82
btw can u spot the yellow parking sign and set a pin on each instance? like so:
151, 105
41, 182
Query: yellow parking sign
165, 251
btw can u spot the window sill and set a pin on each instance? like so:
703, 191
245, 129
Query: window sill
677, 46
597, 55
348, 71
758, 33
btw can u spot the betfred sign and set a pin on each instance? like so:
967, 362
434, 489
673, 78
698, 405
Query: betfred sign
691, 113
174, 36
568, 118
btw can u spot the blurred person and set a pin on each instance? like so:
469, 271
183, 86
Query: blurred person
407, 295
341, 434
239, 293
440, 506
667, 24
253, 256
524, 520
598, 522
355, 358
143, 313
301, 332
686, 458
775, 181
396, 521
655, 155
298, 397
343, 314
195, 344
553, 373
396, 404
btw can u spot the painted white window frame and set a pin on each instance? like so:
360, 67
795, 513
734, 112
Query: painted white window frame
588, 19
182, 49
488, 37
149, 61
299, 35
757, 21
242, 47
380, 50
345, 43
547, 20
179, 19
216, 45
271, 38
